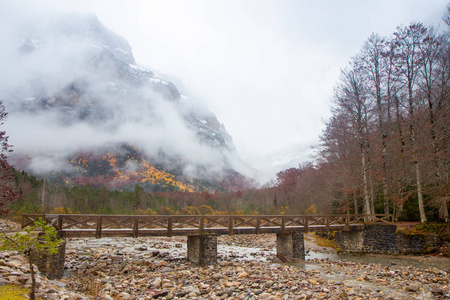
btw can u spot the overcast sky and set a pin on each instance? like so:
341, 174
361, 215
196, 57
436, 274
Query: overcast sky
265, 68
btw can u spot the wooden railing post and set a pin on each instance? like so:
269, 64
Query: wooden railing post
283, 224
169, 226
230, 225
60, 222
258, 225
201, 225
98, 232
306, 224
135, 227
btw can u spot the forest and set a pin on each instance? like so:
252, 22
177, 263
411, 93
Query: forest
385, 149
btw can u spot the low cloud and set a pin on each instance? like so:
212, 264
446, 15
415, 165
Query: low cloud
64, 96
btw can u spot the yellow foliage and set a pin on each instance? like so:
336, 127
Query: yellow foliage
61, 210
14, 292
153, 175
312, 210
166, 210
283, 210
239, 212
206, 210
81, 160
147, 211
190, 210
221, 212
109, 157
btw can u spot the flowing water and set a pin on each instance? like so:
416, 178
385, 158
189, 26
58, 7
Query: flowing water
177, 249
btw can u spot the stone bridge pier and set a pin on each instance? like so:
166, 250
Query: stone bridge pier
290, 246
51, 265
202, 249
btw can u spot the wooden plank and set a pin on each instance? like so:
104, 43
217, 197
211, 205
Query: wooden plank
98, 233
258, 225
135, 227
169, 226
202, 225
60, 222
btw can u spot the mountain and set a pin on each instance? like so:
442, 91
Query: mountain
82, 111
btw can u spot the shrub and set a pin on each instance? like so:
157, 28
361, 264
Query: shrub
206, 210
61, 210
146, 212
166, 210
190, 210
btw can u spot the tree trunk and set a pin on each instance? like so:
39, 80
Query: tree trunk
383, 157
423, 217
398, 116
443, 209
33, 279
365, 185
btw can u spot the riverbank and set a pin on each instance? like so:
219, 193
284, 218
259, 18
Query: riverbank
247, 268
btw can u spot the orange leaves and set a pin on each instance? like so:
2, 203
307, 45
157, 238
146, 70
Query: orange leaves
81, 159
109, 157
126, 167
155, 176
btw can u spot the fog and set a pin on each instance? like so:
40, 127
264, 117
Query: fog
265, 68
58, 58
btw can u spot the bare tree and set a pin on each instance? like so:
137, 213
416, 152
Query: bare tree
373, 64
350, 99
433, 73
408, 39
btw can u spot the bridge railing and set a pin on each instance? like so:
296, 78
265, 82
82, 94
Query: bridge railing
77, 225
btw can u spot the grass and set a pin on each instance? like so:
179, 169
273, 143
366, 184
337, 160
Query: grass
13, 292
325, 242
426, 229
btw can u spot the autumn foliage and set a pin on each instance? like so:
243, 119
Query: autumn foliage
9, 192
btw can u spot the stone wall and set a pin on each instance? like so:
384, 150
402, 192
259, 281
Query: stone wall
418, 243
386, 239
51, 265
373, 239
381, 239
350, 240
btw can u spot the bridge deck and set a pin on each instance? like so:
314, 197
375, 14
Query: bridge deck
80, 226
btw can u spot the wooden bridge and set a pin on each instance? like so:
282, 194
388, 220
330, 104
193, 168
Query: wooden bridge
80, 226
202, 231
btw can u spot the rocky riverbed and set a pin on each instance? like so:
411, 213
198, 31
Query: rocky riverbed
247, 268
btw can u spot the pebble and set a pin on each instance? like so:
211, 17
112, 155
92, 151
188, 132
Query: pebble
238, 276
